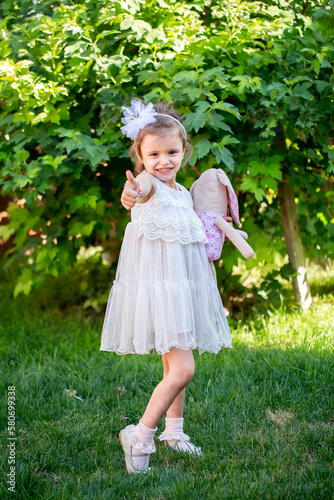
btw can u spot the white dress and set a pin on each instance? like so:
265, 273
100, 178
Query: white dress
164, 294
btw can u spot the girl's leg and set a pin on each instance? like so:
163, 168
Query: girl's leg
137, 441
181, 369
174, 422
176, 408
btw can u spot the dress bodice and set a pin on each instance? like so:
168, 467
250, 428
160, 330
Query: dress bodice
169, 215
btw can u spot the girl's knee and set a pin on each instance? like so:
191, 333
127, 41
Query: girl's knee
190, 372
184, 374
181, 367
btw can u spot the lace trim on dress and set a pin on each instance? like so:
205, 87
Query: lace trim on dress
168, 437
140, 445
182, 229
170, 235
182, 222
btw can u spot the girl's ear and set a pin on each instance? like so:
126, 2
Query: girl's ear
139, 156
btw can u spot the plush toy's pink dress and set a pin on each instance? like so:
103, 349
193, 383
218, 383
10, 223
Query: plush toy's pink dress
164, 294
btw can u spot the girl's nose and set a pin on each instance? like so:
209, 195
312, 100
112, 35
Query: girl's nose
164, 161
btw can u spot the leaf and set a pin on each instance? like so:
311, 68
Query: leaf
256, 168
83, 229
268, 182
229, 108
301, 90
148, 76
136, 25
228, 139
54, 162
6, 232
248, 184
200, 120
329, 151
156, 93
316, 66
227, 158
324, 17
63, 132
21, 180
274, 170
76, 48
321, 85
259, 194
202, 106
87, 229
23, 288
195, 121
185, 76
90, 201
88, 147
24, 283
251, 185
194, 158
155, 34
277, 90
126, 23
212, 97
193, 93
21, 155
203, 147
223, 155
33, 169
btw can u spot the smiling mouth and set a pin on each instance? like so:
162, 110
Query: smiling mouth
164, 170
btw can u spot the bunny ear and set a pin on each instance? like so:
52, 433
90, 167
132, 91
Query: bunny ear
231, 196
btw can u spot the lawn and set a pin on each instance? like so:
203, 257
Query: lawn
262, 412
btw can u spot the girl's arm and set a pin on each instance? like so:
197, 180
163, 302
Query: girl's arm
130, 191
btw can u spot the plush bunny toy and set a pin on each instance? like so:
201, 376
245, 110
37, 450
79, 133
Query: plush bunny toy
211, 194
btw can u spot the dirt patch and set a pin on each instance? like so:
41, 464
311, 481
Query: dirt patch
280, 417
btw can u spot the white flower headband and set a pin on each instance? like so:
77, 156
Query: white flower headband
138, 116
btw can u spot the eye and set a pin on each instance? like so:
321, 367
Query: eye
172, 152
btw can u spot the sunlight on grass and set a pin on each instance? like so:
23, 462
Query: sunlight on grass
313, 328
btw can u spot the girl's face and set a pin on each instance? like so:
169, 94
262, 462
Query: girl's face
162, 156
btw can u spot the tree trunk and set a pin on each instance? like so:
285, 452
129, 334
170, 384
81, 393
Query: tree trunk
294, 244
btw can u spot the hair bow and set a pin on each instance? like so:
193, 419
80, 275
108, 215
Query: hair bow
136, 118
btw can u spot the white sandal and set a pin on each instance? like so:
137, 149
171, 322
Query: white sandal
128, 441
181, 443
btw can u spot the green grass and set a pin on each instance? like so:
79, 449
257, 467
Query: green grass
262, 412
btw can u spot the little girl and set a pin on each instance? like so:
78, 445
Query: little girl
164, 296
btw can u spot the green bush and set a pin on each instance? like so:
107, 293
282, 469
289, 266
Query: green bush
252, 80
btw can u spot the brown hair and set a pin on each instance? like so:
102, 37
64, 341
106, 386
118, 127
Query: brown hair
161, 126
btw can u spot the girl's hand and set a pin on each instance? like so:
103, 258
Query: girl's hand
130, 192
229, 220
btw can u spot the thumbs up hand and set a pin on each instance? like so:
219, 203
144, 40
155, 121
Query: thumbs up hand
130, 179
130, 191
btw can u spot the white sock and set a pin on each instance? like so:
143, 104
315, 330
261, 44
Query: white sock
174, 425
145, 435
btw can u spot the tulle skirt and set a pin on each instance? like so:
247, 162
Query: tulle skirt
164, 296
